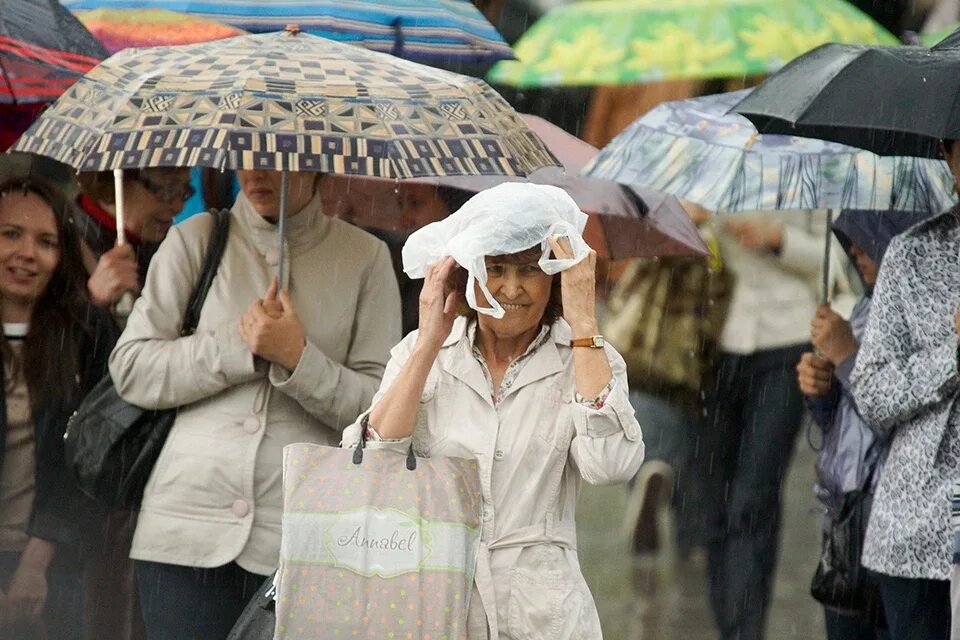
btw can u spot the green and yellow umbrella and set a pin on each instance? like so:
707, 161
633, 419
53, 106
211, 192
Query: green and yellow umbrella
608, 42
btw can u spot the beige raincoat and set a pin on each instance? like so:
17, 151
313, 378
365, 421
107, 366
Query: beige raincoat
533, 450
215, 493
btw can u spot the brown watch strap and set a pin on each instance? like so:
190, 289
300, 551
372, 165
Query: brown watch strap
595, 342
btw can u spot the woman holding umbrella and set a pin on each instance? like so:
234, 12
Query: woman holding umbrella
297, 363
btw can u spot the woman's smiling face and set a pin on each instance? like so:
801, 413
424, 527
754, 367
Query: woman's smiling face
521, 287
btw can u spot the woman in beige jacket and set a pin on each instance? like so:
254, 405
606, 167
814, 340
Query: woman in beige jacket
263, 370
541, 404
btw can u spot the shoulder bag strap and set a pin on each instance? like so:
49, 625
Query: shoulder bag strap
218, 241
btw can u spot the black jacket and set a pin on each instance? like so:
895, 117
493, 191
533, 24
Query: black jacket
60, 509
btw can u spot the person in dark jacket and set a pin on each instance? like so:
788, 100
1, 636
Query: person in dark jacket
851, 455
152, 197
54, 349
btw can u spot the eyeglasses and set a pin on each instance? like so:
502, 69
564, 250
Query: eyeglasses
165, 192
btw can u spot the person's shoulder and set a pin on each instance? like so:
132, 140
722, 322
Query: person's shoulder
931, 227
352, 237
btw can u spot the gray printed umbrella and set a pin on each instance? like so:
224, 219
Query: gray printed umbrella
696, 149
284, 101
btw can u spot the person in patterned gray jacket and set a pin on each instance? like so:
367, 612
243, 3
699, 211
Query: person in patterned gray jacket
906, 384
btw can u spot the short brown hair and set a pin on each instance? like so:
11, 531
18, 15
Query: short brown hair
554, 309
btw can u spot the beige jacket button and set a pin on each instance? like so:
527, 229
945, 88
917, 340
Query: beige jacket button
272, 257
240, 508
251, 424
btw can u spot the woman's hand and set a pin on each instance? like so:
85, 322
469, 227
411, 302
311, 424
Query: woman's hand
578, 286
115, 274
438, 304
272, 329
815, 375
26, 595
831, 335
757, 235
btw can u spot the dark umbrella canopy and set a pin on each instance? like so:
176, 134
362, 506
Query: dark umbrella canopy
889, 100
43, 50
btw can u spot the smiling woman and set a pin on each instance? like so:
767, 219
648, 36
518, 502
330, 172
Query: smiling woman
520, 382
53, 349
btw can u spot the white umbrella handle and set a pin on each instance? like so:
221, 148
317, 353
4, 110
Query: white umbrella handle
124, 306
825, 293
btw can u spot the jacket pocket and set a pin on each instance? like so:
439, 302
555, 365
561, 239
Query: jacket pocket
548, 604
555, 427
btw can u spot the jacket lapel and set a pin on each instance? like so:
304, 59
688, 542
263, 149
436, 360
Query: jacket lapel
457, 360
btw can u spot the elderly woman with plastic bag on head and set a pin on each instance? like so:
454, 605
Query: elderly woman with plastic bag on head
521, 382
270, 364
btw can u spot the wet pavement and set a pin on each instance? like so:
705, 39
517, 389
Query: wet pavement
638, 601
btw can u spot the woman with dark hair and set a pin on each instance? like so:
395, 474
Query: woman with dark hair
152, 197
54, 349
524, 385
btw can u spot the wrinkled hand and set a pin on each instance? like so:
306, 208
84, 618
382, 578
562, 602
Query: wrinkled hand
115, 273
26, 595
831, 335
756, 235
815, 375
438, 304
272, 329
578, 287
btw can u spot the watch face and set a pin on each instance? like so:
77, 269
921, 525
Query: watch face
598, 342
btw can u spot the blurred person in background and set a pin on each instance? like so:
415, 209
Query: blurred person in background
152, 198
54, 349
755, 407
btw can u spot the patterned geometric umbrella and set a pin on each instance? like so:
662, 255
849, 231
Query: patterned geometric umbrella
424, 30
636, 41
43, 50
695, 149
120, 29
284, 101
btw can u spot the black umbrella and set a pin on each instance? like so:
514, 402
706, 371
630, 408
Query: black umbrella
43, 50
890, 100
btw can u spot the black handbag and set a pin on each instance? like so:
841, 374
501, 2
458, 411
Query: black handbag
111, 445
259, 618
840, 581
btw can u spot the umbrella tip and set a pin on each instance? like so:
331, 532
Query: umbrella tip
292, 29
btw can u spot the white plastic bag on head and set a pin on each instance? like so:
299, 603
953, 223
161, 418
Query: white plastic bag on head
508, 218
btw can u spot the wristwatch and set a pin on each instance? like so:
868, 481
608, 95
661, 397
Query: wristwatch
594, 342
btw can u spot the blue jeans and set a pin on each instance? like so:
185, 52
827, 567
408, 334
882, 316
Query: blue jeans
916, 609
187, 603
754, 415
671, 434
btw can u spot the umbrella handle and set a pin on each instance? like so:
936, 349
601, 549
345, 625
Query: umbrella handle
282, 226
828, 242
124, 306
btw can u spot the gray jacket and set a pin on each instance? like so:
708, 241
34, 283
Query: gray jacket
906, 383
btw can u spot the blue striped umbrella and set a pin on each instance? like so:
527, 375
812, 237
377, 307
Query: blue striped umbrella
424, 30
695, 149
